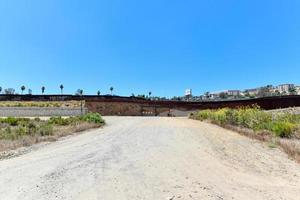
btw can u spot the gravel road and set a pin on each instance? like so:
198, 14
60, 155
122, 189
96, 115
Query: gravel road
137, 158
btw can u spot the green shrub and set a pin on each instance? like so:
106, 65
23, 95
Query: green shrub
93, 117
45, 130
231, 116
59, 121
31, 128
89, 117
203, 115
21, 131
287, 117
14, 128
37, 119
282, 125
6, 133
283, 129
12, 121
220, 116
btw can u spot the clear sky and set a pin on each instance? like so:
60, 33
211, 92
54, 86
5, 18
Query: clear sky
163, 46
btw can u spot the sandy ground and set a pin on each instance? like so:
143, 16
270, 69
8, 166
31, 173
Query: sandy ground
151, 158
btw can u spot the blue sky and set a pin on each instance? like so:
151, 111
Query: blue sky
163, 46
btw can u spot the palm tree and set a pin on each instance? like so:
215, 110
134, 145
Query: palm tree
61, 88
80, 92
0, 90
150, 93
43, 89
111, 90
23, 88
98, 92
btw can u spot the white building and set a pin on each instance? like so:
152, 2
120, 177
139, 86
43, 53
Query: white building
233, 92
216, 95
297, 90
252, 92
284, 88
224, 94
188, 92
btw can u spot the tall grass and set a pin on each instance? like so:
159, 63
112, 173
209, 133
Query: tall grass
280, 125
12, 128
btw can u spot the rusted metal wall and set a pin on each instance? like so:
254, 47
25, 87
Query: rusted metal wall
115, 105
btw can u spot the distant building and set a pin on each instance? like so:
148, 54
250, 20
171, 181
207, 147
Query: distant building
252, 92
188, 93
297, 90
233, 92
216, 95
285, 88
264, 91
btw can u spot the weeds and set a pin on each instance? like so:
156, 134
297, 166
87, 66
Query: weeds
280, 125
89, 117
93, 118
12, 128
283, 128
277, 129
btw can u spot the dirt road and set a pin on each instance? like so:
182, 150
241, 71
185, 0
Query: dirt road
151, 158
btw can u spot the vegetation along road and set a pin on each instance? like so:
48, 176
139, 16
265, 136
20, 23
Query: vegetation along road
151, 158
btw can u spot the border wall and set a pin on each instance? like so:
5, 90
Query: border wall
132, 106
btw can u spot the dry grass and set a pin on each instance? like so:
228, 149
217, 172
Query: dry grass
278, 129
22, 132
290, 146
59, 131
